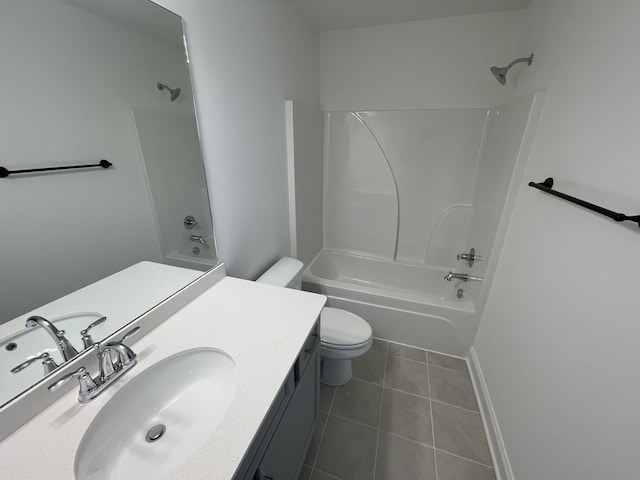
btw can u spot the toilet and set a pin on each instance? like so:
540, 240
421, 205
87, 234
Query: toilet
343, 335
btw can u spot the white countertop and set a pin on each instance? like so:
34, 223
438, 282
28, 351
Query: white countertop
262, 327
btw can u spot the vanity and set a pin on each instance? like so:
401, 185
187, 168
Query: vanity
269, 339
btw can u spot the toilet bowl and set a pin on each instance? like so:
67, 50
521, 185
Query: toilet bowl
343, 335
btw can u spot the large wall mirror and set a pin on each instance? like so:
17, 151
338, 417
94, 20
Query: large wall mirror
83, 81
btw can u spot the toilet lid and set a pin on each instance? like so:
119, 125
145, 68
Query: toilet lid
339, 327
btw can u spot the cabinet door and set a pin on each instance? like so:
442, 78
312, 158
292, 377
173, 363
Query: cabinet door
285, 454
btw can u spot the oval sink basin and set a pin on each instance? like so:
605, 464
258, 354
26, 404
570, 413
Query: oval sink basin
160, 418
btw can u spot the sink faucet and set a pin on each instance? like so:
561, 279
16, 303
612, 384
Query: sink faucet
197, 238
66, 349
108, 368
465, 277
110, 371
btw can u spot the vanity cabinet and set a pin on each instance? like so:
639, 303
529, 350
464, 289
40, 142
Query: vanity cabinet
279, 448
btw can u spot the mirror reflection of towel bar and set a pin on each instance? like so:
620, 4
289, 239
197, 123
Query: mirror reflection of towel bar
5, 173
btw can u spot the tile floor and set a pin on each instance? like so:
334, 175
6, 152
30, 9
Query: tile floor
406, 414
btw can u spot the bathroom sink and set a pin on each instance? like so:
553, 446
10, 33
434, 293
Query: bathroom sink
160, 418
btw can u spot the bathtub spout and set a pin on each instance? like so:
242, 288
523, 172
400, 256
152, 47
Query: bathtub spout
465, 277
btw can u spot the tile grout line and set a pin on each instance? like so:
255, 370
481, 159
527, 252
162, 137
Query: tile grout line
450, 370
354, 421
327, 474
464, 458
315, 460
384, 375
433, 426
477, 412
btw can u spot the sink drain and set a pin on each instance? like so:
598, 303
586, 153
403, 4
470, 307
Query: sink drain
155, 433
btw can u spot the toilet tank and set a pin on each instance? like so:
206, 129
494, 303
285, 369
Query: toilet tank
286, 272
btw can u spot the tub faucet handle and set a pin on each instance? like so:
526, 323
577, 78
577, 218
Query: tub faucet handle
471, 257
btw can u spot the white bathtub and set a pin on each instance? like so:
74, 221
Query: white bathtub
186, 259
410, 304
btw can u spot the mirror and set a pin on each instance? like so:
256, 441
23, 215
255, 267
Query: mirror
83, 81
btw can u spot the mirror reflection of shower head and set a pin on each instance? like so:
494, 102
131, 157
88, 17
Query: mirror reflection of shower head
174, 92
501, 72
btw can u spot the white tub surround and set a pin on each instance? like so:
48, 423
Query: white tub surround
261, 327
405, 192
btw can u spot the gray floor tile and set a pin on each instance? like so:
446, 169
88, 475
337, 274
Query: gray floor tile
358, 401
406, 415
407, 375
326, 397
305, 474
318, 475
460, 432
348, 450
456, 468
446, 361
312, 453
402, 459
408, 352
369, 367
379, 346
452, 387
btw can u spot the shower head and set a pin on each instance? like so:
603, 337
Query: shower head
174, 92
501, 72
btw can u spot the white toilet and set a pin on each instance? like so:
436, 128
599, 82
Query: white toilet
343, 335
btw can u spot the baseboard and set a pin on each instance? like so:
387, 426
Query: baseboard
501, 463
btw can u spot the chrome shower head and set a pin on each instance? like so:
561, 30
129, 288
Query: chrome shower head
174, 92
501, 72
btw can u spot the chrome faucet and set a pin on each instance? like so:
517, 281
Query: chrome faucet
108, 368
66, 349
110, 371
197, 238
465, 277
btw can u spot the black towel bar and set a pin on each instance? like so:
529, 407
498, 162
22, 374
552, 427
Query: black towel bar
5, 173
547, 186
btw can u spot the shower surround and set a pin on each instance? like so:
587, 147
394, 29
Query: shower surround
404, 193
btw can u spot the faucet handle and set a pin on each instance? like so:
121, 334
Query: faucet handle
49, 364
87, 341
86, 382
130, 333
471, 257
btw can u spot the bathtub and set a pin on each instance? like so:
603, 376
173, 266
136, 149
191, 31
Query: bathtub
186, 259
404, 303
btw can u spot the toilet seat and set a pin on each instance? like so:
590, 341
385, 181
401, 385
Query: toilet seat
343, 330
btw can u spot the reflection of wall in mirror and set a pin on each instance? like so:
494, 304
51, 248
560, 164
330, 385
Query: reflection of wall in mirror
66, 97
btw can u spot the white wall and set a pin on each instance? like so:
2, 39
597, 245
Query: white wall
440, 63
248, 57
68, 81
560, 335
